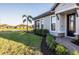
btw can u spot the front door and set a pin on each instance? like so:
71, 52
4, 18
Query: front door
70, 25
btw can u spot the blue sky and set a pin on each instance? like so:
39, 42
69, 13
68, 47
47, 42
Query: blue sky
12, 13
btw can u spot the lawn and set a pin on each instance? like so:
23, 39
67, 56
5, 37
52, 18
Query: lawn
18, 41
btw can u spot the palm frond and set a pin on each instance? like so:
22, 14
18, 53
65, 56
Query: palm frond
24, 16
30, 18
24, 20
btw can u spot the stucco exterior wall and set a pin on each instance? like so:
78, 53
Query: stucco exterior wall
47, 22
77, 23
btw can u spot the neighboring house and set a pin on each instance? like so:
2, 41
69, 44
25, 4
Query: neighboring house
61, 20
21, 26
3, 26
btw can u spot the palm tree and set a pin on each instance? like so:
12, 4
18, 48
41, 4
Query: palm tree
27, 18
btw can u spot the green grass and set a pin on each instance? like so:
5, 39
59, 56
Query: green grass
15, 38
50, 38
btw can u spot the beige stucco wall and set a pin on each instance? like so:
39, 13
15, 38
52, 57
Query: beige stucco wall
47, 22
77, 23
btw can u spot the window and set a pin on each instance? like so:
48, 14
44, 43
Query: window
37, 24
53, 26
41, 26
42, 22
53, 21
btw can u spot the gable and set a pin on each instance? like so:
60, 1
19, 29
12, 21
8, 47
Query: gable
64, 6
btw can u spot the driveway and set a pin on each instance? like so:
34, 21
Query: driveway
66, 41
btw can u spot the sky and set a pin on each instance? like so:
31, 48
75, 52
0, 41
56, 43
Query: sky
11, 14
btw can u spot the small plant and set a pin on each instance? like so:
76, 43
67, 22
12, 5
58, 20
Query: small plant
51, 41
61, 50
75, 52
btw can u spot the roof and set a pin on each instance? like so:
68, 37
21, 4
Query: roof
44, 14
55, 5
77, 4
50, 12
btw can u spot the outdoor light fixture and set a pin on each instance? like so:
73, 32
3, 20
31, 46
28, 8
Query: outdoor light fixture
77, 13
57, 16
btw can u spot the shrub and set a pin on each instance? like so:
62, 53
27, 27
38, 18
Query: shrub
78, 38
51, 41
41, 32
61, 50
75, 52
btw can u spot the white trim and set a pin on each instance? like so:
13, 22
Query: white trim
71, 37
76, 33
66, 24
56, 12
53, 31
60, 32
51, 23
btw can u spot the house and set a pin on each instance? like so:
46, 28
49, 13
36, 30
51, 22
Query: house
6, 26
3, 26
61, 20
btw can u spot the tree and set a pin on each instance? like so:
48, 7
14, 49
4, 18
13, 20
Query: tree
28, 18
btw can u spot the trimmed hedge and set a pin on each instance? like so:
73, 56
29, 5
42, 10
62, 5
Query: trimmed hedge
41, 32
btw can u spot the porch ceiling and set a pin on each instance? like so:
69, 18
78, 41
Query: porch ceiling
70, 11
67, 11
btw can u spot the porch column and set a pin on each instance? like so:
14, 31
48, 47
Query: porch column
60, 25
77, 25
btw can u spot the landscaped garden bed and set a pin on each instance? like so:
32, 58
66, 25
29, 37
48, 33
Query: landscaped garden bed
56, 48
49, 45
25, 43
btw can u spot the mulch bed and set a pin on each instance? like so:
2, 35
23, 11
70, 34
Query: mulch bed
45, 48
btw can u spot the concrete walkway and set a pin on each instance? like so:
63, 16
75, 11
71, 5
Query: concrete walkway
66, 41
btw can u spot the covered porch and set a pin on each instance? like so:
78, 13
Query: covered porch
68, 22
